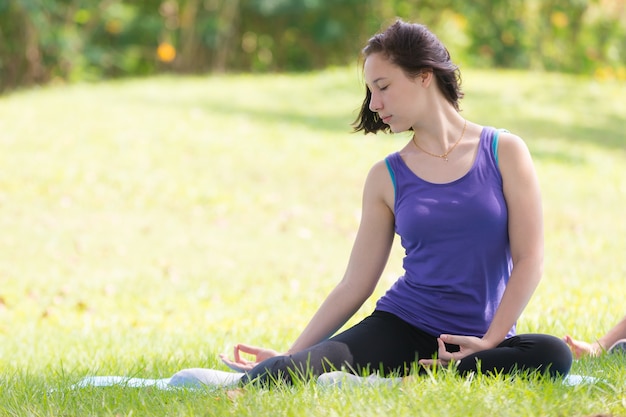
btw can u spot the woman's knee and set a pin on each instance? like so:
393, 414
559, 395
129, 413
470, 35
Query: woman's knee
324, 357
272, 371
550, 354
561, 356
543, 353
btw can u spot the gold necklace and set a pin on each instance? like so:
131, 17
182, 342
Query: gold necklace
444, 155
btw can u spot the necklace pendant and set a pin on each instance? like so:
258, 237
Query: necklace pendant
445, 158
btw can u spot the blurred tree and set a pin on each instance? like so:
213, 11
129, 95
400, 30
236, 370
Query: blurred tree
560, 23
497, 32
21, 60
300, 34
42, 40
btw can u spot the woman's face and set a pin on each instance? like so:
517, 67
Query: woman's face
398, 99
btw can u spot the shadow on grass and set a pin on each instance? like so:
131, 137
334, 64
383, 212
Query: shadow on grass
538, 108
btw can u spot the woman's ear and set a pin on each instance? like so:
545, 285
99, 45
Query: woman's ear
426, 77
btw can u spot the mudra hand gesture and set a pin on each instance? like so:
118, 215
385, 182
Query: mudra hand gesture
467, 346
240, 363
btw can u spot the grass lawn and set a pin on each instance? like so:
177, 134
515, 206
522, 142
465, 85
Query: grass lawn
149, 225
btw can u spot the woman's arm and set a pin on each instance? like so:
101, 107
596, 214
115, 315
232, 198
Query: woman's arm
368, 258
617, 333
523, 199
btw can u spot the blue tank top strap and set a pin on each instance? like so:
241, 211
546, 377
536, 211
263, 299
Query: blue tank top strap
491, 140
494, 144
390, 169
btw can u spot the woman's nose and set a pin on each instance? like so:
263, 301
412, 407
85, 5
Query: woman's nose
374, 104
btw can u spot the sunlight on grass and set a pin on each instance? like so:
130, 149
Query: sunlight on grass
149, 225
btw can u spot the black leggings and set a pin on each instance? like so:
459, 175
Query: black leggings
386, 344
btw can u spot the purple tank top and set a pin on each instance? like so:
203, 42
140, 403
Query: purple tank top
457, 254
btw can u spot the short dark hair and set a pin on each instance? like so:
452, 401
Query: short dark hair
415, 49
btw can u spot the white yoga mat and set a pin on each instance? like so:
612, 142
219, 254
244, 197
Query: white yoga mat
205, 378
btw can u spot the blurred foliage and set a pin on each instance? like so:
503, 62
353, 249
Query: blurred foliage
69, 40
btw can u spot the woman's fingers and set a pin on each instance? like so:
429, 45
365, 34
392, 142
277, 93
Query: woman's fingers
240, 363
252, 350
239, 366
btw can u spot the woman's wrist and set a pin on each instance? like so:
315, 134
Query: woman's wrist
491, 341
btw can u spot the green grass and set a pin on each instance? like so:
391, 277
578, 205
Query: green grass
149, 225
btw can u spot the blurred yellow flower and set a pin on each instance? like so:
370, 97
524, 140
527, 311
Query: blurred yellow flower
604, 73
113, 26
559, 19
608, 73
166, 52
459, 20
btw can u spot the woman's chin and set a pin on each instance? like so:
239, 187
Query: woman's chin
397, 129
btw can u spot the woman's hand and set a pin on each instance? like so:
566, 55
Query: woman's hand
240, 363
580, 348
467, 345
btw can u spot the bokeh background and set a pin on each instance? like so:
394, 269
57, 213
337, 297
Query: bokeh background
44, 41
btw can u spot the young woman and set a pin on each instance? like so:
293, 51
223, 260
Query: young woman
613, 341
465, 201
